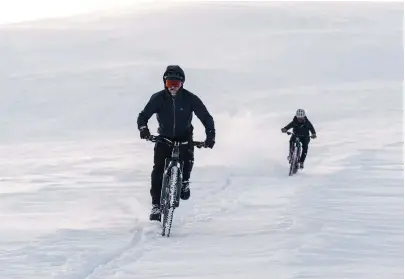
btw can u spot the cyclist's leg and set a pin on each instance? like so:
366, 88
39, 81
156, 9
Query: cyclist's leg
161, 152
187, 156
305, 142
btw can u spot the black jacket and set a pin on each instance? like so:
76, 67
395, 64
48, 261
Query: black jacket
301, 128
174, 114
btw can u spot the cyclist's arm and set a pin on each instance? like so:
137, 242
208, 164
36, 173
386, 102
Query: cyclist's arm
150, 108
289, 126
311, 128
205, 117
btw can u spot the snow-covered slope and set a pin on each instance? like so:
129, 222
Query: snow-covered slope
74, 175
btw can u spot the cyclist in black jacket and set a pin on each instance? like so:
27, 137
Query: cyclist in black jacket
174, 107
301, 127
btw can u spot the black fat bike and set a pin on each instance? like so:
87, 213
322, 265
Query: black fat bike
172, 181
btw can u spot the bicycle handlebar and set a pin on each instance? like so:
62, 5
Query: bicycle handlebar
300, 136
152, 138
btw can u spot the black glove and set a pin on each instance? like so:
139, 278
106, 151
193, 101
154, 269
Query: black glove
283, 130
144, 133
209, 142
313, 136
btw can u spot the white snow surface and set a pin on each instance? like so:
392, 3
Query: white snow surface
75, 177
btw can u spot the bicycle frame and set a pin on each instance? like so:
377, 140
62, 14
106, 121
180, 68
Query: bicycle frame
173, 162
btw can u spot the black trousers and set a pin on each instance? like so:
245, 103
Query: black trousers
305, 143
161, 152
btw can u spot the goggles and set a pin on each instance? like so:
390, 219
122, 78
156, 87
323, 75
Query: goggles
173, 83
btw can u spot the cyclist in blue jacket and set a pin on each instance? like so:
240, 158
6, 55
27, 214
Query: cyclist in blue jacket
174, 107
301, 127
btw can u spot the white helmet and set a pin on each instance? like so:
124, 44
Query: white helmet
300, 113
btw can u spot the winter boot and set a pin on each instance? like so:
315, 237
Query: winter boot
155, 213
185, 190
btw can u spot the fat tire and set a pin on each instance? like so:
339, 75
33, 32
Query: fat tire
170, 198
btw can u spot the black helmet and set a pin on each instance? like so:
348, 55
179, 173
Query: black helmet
174, 72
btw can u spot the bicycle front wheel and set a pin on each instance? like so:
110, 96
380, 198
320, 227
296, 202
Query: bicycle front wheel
293, 162
170, 201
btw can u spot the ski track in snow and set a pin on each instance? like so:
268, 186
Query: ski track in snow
146, 237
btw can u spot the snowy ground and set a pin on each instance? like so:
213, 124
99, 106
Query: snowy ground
74, 175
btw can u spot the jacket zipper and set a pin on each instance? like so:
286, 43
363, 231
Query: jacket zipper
174, 117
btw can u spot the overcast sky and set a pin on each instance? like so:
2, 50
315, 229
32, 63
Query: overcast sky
25, 10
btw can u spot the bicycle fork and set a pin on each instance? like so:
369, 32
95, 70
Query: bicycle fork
175, 180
